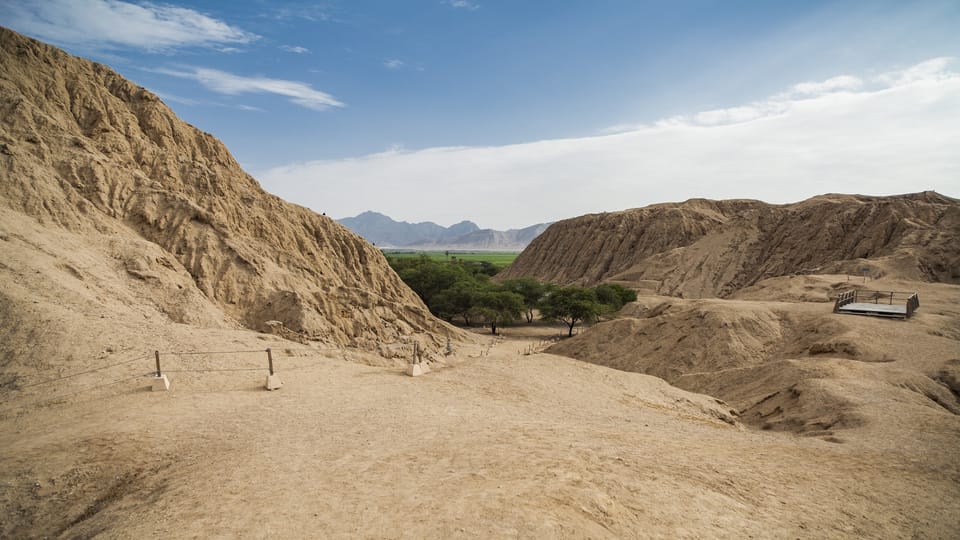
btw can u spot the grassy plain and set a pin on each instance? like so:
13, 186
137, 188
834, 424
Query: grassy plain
497, 258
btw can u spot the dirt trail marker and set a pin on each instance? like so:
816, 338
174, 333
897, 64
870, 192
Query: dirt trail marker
417, 366
273, 380
414, 370
160, 381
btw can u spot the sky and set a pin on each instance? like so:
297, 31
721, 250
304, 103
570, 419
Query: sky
512, 113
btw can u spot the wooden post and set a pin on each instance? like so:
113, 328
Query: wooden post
160, 382
273, 381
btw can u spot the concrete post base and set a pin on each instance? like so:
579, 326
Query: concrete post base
415, 370
273, 382
161, 384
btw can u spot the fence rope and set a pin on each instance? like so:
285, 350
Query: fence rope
198, 370
77, 374
250, 351
53, 399
280, 352
194, 353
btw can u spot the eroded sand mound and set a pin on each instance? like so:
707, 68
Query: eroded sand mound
110, 200
792, 365
703, 248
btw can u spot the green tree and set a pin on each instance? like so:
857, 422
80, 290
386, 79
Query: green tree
497, 307
427, 277
530, 289
457, 288
570, 305
456, 300
613, 297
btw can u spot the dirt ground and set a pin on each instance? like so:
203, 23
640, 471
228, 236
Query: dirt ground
494, 443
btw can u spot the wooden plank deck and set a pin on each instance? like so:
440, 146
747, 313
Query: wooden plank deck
890, 304
877, 310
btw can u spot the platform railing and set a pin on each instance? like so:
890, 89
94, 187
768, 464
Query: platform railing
913, 302
864, 296
844, 298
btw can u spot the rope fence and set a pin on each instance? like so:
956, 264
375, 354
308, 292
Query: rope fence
85, 372
49, 400
544, 343
264, 363
196, 353
173, 361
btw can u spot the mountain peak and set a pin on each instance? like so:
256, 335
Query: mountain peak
386, 232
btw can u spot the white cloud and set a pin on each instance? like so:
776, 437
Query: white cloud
843, 82
393, 63
297, 49
114, 24
932, 69
222, 82
173, 98
312, 13
733, 115
463, 4
893, 138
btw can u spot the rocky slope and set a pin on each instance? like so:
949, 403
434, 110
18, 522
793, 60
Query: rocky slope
702, 248
98, 171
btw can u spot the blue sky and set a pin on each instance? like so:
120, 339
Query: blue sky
509, 113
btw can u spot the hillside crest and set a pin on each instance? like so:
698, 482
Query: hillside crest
705, 248
86, 151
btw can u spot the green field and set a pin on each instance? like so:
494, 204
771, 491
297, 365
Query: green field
497, 258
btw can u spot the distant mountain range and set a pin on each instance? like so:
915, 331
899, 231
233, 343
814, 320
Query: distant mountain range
384, 232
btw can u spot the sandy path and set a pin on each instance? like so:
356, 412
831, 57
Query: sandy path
495, 446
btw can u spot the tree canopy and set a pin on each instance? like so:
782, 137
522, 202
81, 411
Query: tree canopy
530, 290
613, 297
571, 305
498, 307
462, 289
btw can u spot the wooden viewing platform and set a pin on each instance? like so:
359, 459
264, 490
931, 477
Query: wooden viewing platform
891, 304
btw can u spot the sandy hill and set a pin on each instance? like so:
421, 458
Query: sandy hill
702, 248
790, 363
113, 206
777, 355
